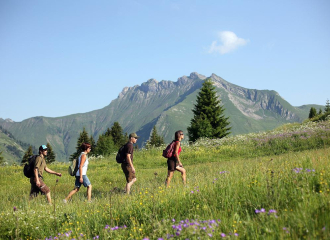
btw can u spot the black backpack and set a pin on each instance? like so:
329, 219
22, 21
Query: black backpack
121, 158
29, 166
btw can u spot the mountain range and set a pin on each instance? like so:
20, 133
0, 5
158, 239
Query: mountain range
166, 105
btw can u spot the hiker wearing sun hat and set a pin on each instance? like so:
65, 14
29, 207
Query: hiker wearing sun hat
37, 183
127, 165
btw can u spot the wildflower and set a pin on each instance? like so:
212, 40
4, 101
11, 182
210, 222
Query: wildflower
223, 235
15, 209
272, 211
56, 180
236, 234
210, 235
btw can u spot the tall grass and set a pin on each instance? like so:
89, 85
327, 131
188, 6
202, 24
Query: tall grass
231, 193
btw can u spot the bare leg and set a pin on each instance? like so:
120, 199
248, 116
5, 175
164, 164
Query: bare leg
89, 192
71, 193
169, 178
183, 174
128, 185
49, 199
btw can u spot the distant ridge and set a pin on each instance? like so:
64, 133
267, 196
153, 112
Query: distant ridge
167, 105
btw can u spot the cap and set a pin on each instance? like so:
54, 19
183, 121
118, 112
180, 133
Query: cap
42, 148
133, 135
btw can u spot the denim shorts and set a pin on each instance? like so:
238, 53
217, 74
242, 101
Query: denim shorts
86, 181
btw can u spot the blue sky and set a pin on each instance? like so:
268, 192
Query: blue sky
63, 57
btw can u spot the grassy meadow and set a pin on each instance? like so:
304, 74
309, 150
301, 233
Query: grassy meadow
271, 185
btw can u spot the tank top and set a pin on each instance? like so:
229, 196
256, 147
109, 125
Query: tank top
84, 167
178, 150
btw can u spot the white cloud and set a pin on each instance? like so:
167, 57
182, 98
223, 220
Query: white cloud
228, 42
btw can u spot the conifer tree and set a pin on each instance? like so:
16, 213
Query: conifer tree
116, 132
320, 111
93, 145
50, 154
83, 137
105, 145
327, 107
209, 120
1, 158
27, 154
312, 113
155, 139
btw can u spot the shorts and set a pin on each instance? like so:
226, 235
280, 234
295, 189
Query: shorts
172, 163
128, 172
35, 190
86, 181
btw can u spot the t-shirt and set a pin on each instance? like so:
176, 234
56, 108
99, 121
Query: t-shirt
128, 149
40, 164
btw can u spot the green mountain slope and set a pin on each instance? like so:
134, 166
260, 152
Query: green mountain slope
12, 150
165, 104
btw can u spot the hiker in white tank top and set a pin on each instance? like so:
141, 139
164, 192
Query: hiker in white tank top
84, 167
81, 175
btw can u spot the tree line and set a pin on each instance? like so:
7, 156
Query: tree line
320, 115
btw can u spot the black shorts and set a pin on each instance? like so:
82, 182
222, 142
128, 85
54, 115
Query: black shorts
172, 163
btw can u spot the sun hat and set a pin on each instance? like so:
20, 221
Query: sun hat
133, 135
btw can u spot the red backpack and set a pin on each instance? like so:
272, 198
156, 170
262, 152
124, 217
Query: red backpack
169, 150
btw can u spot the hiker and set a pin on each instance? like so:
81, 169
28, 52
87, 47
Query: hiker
127, 165
81, 175
174, 163
37, 183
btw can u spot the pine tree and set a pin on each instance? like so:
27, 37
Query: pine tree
320, 111
155, 139
93, 145
209, 120
105, 145
312, 113
83, 138
1, 158
27, 154
50, 154
327, 107
116, 132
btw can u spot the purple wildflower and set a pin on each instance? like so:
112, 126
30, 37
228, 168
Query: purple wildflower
223, 235
210, 235
272, 211
15, 209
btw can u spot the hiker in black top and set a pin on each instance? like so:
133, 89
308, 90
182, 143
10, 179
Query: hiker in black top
127, 166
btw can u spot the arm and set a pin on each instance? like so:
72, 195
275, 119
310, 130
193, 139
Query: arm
176, 151
53, 172
82, 162
129, 161
36, 175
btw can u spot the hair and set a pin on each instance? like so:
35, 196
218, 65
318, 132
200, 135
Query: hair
85, 146
177, 135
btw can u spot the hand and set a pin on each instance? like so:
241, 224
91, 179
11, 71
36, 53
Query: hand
133, 169
59, 174
81, 180
38, 183
180, 164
